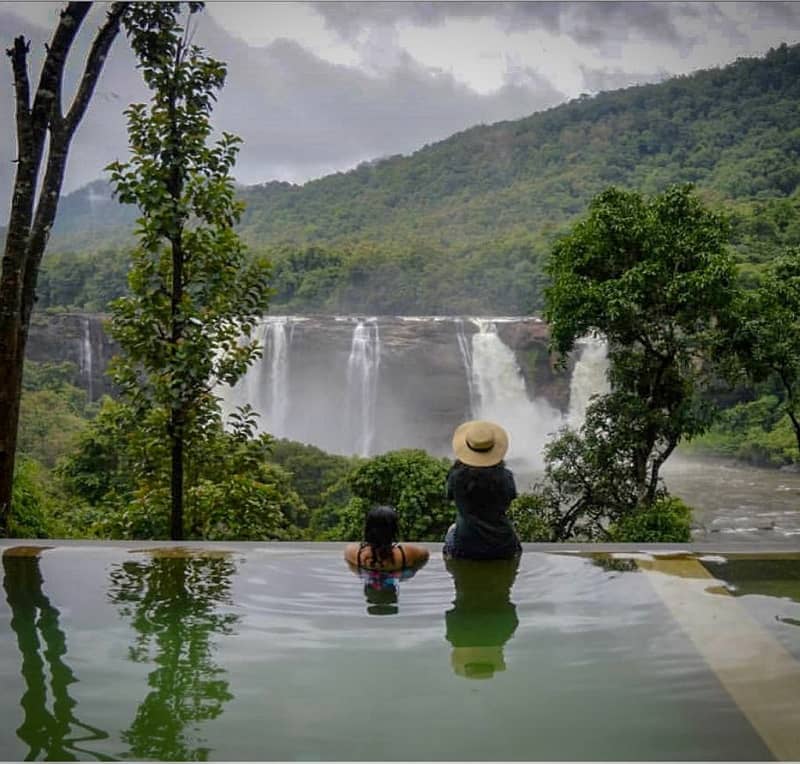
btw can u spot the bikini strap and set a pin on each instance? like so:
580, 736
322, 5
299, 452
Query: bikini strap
402, 554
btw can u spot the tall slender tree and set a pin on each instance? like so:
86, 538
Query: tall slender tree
38, 116
193, 293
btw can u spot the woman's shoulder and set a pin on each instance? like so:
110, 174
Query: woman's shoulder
403, 555
352, 553
413, 554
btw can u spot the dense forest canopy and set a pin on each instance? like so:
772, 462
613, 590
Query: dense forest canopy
464, 225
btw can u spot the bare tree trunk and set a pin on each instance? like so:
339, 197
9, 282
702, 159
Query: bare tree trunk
30, 221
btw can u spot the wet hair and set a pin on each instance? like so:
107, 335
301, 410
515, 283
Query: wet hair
380, 532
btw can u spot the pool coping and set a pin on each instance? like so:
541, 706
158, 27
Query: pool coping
700, 547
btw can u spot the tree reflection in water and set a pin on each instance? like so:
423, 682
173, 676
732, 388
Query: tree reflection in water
43, 645
483, 618
174, 601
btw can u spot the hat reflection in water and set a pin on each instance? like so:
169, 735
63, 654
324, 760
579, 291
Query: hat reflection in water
483, 618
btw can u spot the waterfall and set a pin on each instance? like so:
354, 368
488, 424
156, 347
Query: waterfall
265, 386
85, 363
277, 351
503, 398
589, 377
362, 384
466, 358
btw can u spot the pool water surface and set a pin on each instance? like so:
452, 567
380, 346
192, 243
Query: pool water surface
278, 651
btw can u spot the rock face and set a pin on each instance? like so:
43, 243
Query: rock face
78, 338
345, 383
368, 385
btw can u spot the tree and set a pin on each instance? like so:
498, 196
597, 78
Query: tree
655, 278
409, 480
31, 218
764, 334
193, 295
179, 606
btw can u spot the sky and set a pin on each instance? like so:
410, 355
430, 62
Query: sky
318, 87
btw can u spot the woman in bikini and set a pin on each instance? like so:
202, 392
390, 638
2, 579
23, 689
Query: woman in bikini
381, 563
379, 550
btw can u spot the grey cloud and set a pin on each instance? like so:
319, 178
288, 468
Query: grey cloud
598, 24
299, 116
778, 14
598, 80
315, 114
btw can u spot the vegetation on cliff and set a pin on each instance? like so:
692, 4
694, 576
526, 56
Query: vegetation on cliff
465, 225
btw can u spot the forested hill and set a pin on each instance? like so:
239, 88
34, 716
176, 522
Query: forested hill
464, 224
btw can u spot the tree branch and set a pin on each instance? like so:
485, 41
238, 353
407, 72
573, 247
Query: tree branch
47, 103
25, 180
61, 132
94, 64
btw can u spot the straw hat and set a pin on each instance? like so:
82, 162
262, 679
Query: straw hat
479, 443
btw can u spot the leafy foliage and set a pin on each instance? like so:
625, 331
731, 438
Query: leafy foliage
409, 480
465, 225
29, 515
655, 278
668, 520
532, 518
764, 332
758, 432
120, 475
193, 294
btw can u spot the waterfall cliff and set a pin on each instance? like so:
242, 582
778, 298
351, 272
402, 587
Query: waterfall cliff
365, 385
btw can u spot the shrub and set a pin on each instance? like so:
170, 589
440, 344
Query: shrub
667, 520
409, 480
28, 517
531, 516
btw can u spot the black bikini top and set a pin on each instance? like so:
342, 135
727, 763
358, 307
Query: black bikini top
364, 545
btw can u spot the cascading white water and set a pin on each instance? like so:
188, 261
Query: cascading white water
466, 357
503, 398
356, 387
266, 385
363, 365
589, 377
277, 351
86, 361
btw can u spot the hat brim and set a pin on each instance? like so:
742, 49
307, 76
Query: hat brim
473, 458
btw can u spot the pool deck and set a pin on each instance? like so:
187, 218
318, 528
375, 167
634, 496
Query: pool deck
789, 547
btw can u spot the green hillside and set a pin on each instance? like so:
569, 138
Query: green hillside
463, 225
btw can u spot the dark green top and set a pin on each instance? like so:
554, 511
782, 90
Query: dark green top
482, 496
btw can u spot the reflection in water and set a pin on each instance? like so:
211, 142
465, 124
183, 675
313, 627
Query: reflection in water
35, 622
771, 577
614, 564
483, 618
382, 587
173, 603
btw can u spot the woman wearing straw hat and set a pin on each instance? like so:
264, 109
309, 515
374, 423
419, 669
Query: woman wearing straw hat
482, 489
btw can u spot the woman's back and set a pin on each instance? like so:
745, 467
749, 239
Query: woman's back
482, 496
378, 551
362, 556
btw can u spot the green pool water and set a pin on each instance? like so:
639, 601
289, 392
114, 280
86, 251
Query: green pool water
281, 652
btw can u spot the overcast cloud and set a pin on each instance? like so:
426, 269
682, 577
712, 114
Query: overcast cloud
314, 88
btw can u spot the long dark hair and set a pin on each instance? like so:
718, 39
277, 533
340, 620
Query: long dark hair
380, 532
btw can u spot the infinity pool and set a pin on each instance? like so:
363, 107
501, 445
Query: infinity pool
280, 652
